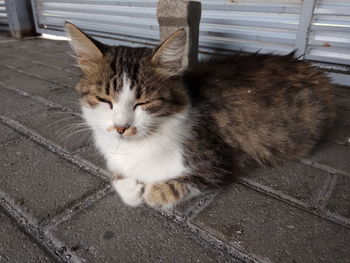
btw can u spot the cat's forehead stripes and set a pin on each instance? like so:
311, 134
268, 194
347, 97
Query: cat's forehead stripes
126, 61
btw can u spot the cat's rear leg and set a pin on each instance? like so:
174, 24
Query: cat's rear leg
169, 193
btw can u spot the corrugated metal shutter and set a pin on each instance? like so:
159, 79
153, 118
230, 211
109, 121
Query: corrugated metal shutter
3, 16
265, 25
117, 22
329, 34
277, 26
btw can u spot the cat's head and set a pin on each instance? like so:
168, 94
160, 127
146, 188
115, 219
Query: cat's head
130, 92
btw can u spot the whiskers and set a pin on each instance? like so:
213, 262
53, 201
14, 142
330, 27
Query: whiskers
70, 126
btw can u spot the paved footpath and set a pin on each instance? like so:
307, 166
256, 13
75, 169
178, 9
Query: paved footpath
56, 204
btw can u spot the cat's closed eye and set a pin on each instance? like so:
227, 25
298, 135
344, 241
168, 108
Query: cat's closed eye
151, 106
105, 101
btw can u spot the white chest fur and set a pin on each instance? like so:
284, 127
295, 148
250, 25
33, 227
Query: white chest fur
150, 160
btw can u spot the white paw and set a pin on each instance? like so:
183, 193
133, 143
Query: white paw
129, 190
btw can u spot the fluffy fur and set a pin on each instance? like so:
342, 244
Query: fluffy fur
168, 134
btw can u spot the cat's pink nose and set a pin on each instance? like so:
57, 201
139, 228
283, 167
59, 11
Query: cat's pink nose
121, 129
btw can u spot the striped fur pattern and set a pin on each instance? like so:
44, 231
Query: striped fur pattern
168, 134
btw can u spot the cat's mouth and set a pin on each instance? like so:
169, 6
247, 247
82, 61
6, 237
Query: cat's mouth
125, 133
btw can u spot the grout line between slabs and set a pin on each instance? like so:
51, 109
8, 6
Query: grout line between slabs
294, 202
39, 63
55, 82
42, 239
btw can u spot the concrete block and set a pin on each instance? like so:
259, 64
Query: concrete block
51, 58
65, 129
334, 156
173, 15
54, 75
13, 105
15, 246
109, 231
61, 95
15, 62
65, 96
339, 202
41, 183
294, 179
7, 134
272, 231
27, 83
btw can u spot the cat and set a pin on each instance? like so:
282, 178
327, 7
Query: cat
169, 133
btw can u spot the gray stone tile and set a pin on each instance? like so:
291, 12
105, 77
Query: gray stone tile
339, 202
52, 74
29, 84
17, 63
37, 44
7, 134
31, 57
294, 179
40, 182
62, 95
13, 104
15, 246
111, 232
332, 155
65, 129
271, 230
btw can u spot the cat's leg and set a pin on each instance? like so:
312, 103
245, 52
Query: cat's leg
169, 193
129, 190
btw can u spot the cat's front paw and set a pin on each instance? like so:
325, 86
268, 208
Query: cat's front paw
129, 190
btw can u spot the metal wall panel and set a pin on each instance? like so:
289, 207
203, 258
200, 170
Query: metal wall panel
265, 26
118, 22
318, 28
3, 16
329, 34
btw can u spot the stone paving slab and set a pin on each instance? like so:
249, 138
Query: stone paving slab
339, 202
13, 105
63, 128
15, 63
22, 58
52, 74
39, 181
336, 157
15, 246
125, 234
295, 179
15, 79
7, 134
65, 96
273, 231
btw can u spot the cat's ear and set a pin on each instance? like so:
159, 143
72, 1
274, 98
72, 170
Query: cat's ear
87, 49
168, 57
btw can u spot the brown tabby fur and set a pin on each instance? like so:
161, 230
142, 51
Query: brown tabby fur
263, 108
